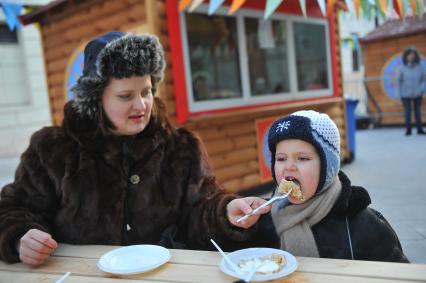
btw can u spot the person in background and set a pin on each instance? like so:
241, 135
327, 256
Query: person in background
333, 219
116, 172
411, 86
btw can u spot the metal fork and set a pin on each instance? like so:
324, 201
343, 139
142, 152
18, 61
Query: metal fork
263, 205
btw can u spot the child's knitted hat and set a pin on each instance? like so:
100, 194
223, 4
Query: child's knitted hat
315, 128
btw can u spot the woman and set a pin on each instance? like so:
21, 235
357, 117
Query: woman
411, 87
116, 172
331, 218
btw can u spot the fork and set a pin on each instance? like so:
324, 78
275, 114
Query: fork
258, 263
263, 205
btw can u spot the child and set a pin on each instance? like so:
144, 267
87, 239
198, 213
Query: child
334, 219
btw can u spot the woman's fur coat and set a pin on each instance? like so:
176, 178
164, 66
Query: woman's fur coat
78, 186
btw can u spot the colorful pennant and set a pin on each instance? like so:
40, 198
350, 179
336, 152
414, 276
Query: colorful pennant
236, 4
183, 4
356, 5
303, 7
214, 5
397, 7
321, 4
330, 6
386, 8
195, 4
351, 7
271, 6
420, 8
11, 12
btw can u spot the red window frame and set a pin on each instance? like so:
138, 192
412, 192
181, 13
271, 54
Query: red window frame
178, 65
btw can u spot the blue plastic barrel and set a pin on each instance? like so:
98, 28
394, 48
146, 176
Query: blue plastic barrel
351, 125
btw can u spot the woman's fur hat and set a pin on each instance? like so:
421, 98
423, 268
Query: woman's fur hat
118, 55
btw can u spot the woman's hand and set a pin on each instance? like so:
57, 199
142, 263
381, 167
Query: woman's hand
237, 208
35, 247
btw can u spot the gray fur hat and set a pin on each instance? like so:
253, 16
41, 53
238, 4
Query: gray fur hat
118, 55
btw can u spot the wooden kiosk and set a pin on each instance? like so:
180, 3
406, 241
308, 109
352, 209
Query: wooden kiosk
382, 49
254, 69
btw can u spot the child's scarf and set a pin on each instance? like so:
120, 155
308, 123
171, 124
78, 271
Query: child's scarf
293, 222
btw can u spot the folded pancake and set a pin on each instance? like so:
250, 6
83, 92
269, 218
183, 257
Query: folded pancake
287, 185
268, 264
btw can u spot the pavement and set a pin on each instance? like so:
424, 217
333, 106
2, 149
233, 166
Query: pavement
391, 166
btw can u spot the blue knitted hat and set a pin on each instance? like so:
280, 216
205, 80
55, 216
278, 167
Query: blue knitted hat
315, 128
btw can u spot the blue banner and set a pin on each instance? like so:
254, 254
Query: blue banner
11, 12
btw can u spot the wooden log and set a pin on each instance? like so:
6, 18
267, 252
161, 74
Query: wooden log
233, 157
244, 141
241, 184
218, 146
103, 9
237, 171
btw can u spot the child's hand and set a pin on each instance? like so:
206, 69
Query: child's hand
240, 207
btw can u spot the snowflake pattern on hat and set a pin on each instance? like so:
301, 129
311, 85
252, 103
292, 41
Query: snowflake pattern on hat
315, 128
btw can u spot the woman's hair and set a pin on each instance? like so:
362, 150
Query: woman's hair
407, 52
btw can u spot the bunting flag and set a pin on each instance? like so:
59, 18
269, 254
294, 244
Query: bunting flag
236, 4
321, 4
330, 6
413, 6
214, 5
383, 6
379, 7
195, 4
183, 4
356, 5
398, 7
420, 8
303, 7
405, 5
351, 7
271, 6
11, 12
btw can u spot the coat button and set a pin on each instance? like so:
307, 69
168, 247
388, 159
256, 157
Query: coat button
135, 179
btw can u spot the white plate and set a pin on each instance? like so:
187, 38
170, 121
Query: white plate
133, 259
288, 268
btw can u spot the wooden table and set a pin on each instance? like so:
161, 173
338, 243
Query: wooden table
202, 266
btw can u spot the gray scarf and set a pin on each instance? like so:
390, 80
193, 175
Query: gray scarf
293, 222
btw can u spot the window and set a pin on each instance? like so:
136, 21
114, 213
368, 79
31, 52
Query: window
311, 56
7, 36
266, 43
214, 58
234, 61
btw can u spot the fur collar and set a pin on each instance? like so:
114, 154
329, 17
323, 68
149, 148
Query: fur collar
87, 134
352, 198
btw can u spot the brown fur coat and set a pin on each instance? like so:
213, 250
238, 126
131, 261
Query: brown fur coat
78, 186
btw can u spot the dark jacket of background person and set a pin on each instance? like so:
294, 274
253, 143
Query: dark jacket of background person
371, 236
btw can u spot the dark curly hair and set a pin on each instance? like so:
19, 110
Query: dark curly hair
407, 52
